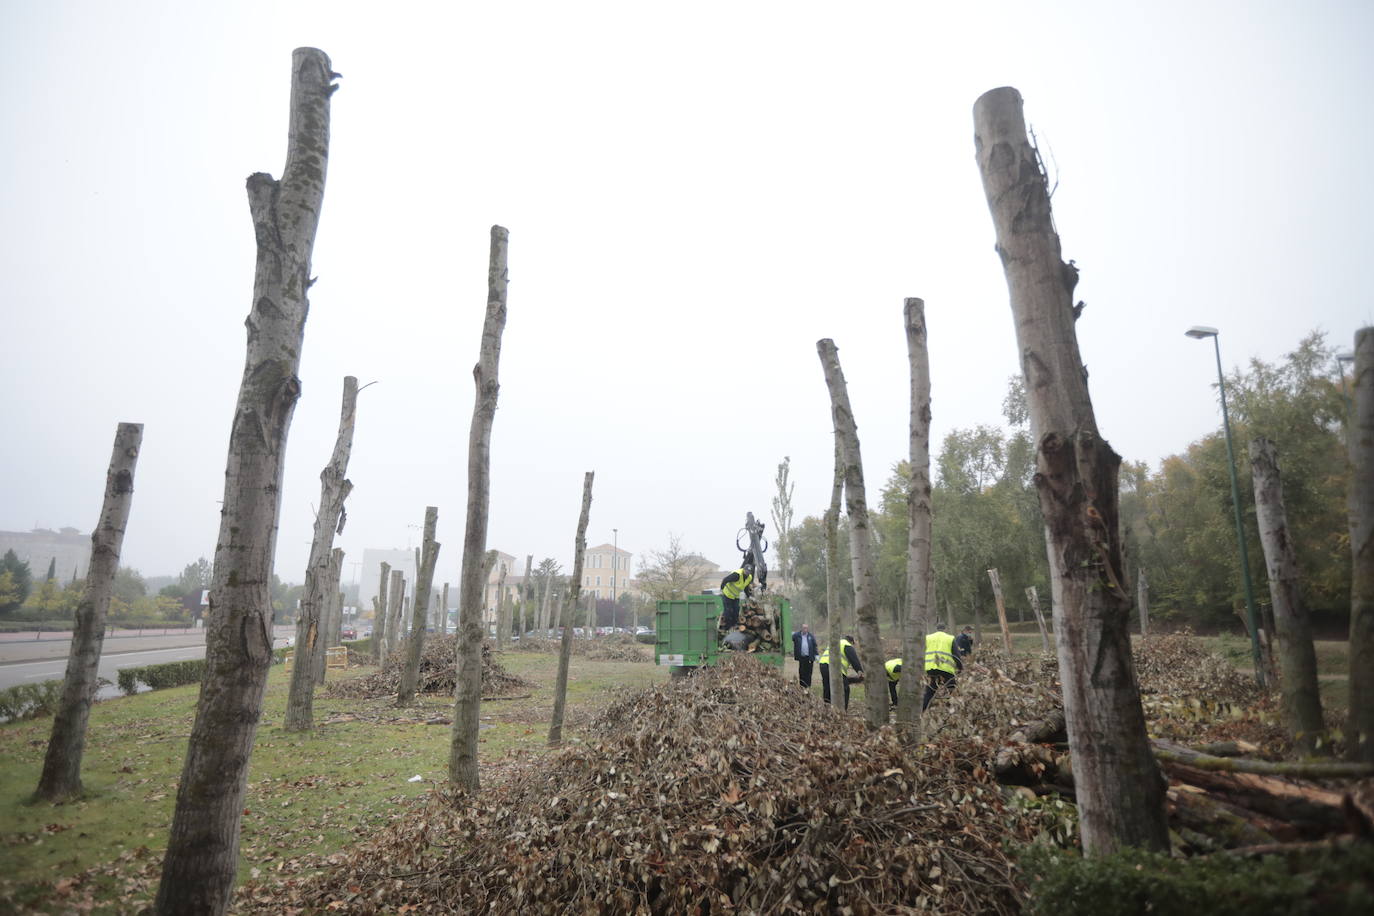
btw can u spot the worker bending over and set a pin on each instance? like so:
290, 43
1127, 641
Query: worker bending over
894, 674
851, 669
941, 664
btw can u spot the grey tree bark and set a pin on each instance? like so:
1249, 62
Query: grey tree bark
544, 602
396, 595
61, 777
462, 763
331, 607
526, 592
1142, 599
920, 583
1359, 730
860, 537
502, 611
202, 852
329, 520
443, 612
834, 608
1118, 784
379, 617
1302, 703
565, 617
410, 675
1001, 603
1033, 596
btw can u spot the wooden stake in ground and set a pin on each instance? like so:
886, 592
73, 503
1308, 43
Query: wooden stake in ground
467, 711
410, 675
996, 579
860, 538
920, 583
1033, 596
565, 616
1302, 703
1359, 729
202, 852
61, 778
379, 614
329, 520
1142, 599
1118, 784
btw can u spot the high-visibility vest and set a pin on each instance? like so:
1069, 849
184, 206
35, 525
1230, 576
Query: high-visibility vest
844, 656
733, 589
894, 669
940, 652
825, 657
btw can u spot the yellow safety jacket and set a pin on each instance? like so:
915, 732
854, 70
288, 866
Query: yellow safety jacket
734, 589
844, 656
940, 652
893, 675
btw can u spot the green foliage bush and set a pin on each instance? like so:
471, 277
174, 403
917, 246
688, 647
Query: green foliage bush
171, 674
1329, 882
25, 701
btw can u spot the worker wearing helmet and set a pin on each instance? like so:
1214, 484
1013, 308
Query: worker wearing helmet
942, 664
851, 669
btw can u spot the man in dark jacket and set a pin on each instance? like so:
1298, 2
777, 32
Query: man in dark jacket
963, 643
804, 650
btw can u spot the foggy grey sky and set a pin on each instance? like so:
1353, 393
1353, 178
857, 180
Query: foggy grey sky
696, 193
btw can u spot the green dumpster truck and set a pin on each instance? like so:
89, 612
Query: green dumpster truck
687, 634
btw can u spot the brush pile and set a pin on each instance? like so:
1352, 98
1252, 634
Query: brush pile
618, 648
438, 673
729, 790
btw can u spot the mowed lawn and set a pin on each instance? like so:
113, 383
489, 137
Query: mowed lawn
308, 795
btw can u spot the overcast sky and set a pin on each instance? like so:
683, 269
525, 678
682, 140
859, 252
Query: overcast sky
695, 192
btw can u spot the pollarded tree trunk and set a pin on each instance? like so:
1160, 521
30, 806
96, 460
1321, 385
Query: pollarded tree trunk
467, 710
920, 583
1302, 703
329, 520
1359, 731
834, 610
1033, 596
996, 579
331, 609
1118, 784
202, 852
1142, 599
410, 675
544, 603
526, 592
61, 778
860, 539
565, 617
379, 617
443, 612
397, 596
502, 621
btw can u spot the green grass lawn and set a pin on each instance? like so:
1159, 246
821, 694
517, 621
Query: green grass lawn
308, 795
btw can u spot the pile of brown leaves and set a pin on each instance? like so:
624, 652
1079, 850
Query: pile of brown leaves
438, 673
598, 649
731, 789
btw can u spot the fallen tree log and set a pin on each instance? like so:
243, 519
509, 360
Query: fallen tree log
1169, 752
1221, 822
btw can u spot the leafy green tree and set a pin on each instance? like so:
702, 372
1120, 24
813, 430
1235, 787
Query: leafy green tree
196, 576
806, 564
129, 585
20, 582
10, 596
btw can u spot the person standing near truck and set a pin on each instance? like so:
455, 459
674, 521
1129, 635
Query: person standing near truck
851, 669
942, 664
731, 587
805, 652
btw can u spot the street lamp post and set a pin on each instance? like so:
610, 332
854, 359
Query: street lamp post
1198, 333
615, 566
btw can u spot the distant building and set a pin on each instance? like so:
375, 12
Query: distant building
607, 569
39, 547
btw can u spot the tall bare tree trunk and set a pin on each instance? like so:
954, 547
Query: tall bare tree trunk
1118, 784
1302, 703
330, 607
410, 675
1033, 596
565, 617
443, 612
1359, 730
202, 852
920, 583
329, 520
467, 711
502, 617
379, 617
526, 592
834, 608
396, 595
61, 778
1142, 599
996, 579
544, 622
860, 538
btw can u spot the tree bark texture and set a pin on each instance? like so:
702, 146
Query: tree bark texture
1142, 600
397, 596
379, 617
996, 579
443, 612
462, 764
565, 617
920, 583
502, 615
1359, 731
1033, 596
544, 619
860, 537
330, 608
202, 852
527, 592
1302, 705
61, 777
1119, 788
424, 584
329, 520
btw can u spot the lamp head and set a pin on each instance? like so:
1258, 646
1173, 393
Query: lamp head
1198, 332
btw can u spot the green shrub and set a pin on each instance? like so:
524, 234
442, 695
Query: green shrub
25, 701
1329, 882
171, 674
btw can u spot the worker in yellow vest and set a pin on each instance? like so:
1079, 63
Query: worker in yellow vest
851, 669
894, 674
942, 664
731, 587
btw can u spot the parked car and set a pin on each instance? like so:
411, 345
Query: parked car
349, 633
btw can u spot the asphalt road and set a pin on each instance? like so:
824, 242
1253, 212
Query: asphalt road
54, 669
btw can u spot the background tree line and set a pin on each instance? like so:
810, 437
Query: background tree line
1177, 518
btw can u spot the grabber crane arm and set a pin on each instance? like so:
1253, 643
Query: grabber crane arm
757, 547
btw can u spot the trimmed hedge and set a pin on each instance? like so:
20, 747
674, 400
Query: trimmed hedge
25, 701
170, 674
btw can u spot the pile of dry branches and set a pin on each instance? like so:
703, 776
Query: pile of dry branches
597, 649
728, 790
438, 673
